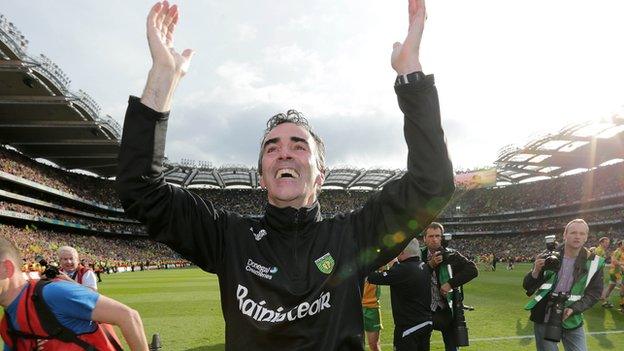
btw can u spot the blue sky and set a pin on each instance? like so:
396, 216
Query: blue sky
507, 71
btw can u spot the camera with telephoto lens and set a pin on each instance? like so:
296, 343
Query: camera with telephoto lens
554, 316
459, 320
51, 272
551, 255
460, 328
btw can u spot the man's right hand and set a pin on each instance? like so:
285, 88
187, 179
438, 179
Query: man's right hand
435, 260
168, 66
537, 266
161, 22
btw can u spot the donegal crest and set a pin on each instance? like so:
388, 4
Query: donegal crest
325, 263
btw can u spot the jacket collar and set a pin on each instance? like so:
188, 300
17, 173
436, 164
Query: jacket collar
289, 218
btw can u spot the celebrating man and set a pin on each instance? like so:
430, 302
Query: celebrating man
290, 280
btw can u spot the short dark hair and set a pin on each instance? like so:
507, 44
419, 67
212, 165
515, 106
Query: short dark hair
295, 117
603, 239
435, 225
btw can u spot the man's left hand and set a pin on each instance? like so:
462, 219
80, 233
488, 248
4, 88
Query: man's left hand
567, 313
445, 288
405, 57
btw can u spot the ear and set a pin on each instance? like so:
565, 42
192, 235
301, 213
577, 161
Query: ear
320, 179
261, 181
9, 268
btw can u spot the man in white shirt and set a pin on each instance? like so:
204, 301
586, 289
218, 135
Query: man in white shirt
70, 265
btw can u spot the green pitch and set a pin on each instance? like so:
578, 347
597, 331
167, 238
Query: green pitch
183, 306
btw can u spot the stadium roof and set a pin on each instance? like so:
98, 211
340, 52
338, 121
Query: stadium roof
573, 149
42, 118
188, 175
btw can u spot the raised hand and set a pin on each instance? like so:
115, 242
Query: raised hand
161, 24
405, 56
169, 66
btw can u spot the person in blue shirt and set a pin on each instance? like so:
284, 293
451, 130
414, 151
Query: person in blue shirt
77, 308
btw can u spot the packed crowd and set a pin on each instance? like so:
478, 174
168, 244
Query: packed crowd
86, 187
522, 247
520, 226
604, 181
104, 225
567, 190
35, 244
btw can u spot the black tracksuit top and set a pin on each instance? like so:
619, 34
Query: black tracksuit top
410, 291
290, 280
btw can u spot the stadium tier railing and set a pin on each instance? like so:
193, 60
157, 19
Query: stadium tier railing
32, 219
12, 37
28, 183
36, 202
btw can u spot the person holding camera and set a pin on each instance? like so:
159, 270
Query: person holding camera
564, 282
450, 270
60, 315
410, 299
71, 266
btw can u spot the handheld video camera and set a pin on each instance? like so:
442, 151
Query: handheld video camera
551, 255
554, 316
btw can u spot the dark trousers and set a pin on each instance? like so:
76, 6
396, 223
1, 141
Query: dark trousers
417, 341
443, 321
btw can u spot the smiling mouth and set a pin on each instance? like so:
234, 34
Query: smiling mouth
287, 173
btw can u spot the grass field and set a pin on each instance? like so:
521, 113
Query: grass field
183, 306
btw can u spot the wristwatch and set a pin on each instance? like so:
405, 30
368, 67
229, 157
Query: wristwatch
409, 78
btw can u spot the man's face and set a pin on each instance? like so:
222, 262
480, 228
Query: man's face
605, 244
576, 235
433, 238
289, 166
69, 261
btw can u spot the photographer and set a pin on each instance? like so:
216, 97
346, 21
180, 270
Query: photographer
59, 315
443, 280
71, 266
564, 283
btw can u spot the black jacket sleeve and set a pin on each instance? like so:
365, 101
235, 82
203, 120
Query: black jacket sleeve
530, 284
464, 270
395, 275
407, 205
174, 216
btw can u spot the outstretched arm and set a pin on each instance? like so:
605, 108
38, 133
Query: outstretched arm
404, 208
405, 56
168, 66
